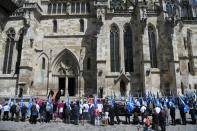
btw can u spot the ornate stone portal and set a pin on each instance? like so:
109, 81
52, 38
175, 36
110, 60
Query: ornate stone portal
65, 74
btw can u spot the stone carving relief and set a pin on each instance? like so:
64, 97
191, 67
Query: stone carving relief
67, 67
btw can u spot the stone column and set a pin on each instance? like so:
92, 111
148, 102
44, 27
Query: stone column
102, 36
121, 45
26, 65
193, 52
146, 62
174, 63
81, 84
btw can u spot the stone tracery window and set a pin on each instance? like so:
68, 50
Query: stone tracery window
64, 8
59, 8
152, 46
83, 7
128, 49
72, 8
186, 10
49, 8
75, 8
114, 49
170, 8
9, 47
88, 10
54, 9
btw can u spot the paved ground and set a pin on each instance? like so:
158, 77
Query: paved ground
59, 126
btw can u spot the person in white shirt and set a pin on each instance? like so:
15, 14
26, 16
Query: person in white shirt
6, 109
157, 110
38, 109
81, 113
99, 110
62, 92
142, 110
106, 118
86, 111
100, 107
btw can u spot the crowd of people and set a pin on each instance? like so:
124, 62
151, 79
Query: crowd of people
149, 111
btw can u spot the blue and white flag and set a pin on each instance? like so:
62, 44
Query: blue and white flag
30, 104
68, 102
130, 105
49, 100
9, 102
112, 102
95, 102
171, 104
186, 108
157, 102
22, 102
14, 102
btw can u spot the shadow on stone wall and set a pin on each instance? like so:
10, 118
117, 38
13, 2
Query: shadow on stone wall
89, 74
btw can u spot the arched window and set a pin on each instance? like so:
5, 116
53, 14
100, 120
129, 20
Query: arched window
88, 64
54, 8
81, 25
186, 10
114, 49
73, 8
9, 51
77, 7
59, 8
64, 10
83, 7
152, 46
55, 26
128, 49
43, 63
88, 7
49, 8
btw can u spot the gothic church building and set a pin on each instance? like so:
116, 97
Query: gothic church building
86, 47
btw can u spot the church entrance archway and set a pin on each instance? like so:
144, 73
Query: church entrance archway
71, 86
65, 72
62, 85
122, 88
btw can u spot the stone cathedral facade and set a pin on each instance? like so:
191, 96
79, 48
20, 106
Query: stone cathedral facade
86, 47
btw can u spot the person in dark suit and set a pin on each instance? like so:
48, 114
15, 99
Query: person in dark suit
76, 113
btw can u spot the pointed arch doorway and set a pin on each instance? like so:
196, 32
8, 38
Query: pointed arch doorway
65, 72
123, 88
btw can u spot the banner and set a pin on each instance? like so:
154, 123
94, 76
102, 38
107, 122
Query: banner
186, 108
22, 102
112, 102
95, 102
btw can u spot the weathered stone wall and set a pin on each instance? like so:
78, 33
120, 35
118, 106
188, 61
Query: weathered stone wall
66, 38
